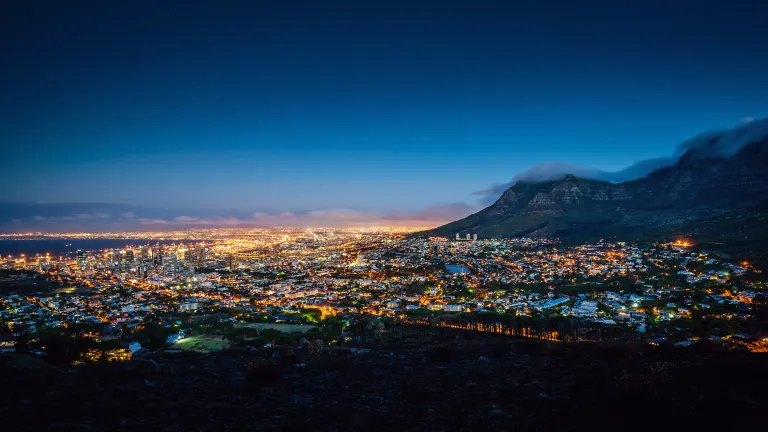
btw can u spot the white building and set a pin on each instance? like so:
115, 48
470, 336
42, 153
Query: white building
188, 307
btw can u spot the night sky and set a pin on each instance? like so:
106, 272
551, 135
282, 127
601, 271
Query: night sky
355, 112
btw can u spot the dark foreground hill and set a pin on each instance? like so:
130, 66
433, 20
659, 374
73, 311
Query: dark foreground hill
711, 182
496, 384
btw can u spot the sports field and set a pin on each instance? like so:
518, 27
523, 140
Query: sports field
201, 343
285, 328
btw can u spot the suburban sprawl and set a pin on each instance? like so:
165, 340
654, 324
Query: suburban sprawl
214, 289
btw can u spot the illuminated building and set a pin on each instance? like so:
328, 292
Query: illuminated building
157, 255
188, 307
114, 355
81, 258
168, 260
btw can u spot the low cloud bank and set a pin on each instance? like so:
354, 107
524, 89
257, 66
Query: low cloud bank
81, 217
713, 144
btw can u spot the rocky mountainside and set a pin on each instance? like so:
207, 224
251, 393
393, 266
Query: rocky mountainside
709, 181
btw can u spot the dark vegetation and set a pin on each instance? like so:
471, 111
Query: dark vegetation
492, 383
10, 283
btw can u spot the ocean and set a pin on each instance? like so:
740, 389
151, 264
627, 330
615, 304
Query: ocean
69, 246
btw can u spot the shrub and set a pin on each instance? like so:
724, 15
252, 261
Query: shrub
258, 342
288, 358
443, 353
341, 363
315, 348
259, 373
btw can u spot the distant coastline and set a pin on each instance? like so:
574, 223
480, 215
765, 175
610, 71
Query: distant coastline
32, 247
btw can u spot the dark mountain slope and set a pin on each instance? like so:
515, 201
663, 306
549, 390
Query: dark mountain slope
460, 385
704, 185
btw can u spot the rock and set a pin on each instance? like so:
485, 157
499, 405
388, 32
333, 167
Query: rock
144, 367
158, 367
302, 400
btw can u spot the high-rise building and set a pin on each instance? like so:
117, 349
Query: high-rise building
189, 255
458, 236
44, 262
157, 255
467, 236
81, 257
474, 237
129, 256
169, 259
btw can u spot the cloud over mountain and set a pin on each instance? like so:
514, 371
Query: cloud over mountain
717, 143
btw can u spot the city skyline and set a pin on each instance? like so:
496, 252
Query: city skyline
345, 114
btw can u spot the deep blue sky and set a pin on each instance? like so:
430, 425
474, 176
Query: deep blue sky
374, 106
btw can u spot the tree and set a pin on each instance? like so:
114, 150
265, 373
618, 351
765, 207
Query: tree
368, 328
312, 315
61, 346
237, 336
153, 335
315, 348
23, 339
270, 334
284, 339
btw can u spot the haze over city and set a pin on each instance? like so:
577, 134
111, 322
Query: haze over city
156, 114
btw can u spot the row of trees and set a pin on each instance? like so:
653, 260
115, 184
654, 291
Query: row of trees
556, 329
62, 345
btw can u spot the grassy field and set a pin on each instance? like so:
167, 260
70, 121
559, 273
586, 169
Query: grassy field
285, 328
201, 343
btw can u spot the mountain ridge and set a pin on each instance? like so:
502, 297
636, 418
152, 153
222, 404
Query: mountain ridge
708, 181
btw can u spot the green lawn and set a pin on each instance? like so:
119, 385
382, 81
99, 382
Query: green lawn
285, 328
201, 343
